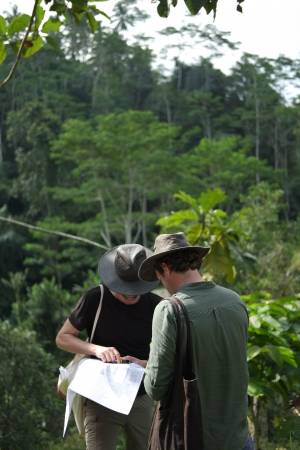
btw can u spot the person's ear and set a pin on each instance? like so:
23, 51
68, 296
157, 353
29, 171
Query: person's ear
158, 275
166, 269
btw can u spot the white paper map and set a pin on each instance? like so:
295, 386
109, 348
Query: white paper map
114, 386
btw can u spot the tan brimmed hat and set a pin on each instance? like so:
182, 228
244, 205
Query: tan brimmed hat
166, 244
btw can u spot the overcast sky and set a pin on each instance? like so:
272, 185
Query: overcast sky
266, 27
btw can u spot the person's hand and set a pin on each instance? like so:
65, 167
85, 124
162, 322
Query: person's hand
108, 354
140, 362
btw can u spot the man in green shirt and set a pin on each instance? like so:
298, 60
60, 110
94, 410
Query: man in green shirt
219, 323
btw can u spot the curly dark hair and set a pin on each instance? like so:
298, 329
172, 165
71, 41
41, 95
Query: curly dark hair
180, 261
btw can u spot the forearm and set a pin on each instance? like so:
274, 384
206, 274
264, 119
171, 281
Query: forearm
140, 362
74, 344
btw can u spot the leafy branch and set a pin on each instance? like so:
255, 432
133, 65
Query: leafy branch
18, 57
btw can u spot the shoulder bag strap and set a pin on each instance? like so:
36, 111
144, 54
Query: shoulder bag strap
97, 313
182, 331
188, 364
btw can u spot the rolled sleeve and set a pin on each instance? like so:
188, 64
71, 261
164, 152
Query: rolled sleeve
161, 362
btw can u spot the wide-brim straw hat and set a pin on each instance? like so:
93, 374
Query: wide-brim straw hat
166, 244
118, 269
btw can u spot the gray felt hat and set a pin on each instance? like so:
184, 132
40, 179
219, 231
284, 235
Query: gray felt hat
166, 244
118, 269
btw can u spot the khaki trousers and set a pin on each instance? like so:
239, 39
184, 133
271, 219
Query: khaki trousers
102, 425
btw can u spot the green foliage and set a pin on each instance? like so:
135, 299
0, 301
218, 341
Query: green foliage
30, 129
51, 25
11, 255
13, 30
286, 444
72, 441
273, 355
94, 142
33, 46
109, 176
29, 410
274, 346
60, 258
275, 244
224, 163
3, 52
18, 23
47, 307
16, 282
3, 25
203, 223
194, 6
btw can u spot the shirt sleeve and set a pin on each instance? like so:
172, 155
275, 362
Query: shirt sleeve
156, 299
81, 315
160, 366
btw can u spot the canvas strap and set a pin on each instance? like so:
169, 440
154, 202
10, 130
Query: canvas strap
97, 313
187, 346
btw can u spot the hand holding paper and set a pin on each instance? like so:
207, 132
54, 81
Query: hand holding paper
114, 386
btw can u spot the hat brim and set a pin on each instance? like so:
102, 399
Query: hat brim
109, 276
147, 272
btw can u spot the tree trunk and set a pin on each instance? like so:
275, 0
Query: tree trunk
257, 126
259, 421
276, 146
168, 109
94, 86
128, 221
105, 233
179, 76
144, 224
208, 131
286, 181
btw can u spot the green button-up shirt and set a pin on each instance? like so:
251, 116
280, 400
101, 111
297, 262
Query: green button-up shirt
218, 323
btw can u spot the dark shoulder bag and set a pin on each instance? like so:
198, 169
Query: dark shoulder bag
177, 423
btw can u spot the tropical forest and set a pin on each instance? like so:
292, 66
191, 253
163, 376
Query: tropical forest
101, 144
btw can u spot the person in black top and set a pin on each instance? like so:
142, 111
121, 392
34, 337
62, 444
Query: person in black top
123, 331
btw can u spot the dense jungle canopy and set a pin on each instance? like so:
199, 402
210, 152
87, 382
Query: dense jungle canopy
98, 142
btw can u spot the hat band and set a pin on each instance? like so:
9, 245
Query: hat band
170, 248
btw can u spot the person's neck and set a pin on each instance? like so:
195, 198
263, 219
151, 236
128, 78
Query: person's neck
191, 276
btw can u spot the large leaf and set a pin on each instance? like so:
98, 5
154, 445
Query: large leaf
60, 8
39, 15
186, 198
19, 23
280, 354
253, 351
3, 52
103, 13
219, 261
194, 234
92, 22
194, 6
211, 5
211, 198
163, 8
36, 45
51, 26
3, 25
177, 219
288, 356
256, 389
